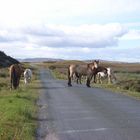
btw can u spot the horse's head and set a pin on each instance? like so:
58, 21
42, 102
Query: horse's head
96, 63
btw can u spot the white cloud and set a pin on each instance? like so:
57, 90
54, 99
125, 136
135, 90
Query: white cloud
60, 36
22, 11
73, 36
132, 35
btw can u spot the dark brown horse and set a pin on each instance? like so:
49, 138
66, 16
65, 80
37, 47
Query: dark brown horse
99, 69
79, 70
15, 71
95, 72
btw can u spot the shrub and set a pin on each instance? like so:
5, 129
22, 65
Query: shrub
52, 67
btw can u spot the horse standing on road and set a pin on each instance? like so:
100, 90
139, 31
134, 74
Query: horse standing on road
15, 71
79, 70
27, 76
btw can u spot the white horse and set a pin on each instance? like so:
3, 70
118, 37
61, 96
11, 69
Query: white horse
27, 76
109, 75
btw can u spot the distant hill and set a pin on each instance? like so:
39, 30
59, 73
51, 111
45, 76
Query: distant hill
57, 60
39, 60
6, 61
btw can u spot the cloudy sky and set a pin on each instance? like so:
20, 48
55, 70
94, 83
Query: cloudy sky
71, 29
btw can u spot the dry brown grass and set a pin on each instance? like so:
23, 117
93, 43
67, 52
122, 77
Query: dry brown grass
123, 67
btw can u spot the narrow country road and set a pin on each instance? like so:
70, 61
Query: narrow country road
81, 113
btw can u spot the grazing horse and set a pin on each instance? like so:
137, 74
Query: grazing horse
79, 70
15, 71
109, 75
27, 75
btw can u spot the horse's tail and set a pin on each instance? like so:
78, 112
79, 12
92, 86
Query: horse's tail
68, 71
69, 77
13, 78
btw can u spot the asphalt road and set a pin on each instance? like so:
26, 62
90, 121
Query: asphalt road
81, 113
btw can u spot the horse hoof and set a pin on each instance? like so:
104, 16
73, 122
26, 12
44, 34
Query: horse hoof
70, 85
88, 86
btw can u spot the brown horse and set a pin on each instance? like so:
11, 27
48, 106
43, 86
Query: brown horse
15, 71
79, 70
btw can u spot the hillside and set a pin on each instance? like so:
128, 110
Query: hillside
6, 61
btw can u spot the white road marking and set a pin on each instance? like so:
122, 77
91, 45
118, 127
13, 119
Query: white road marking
80, 131
75, 111
84, 118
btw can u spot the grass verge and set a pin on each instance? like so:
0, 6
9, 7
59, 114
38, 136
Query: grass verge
18, 111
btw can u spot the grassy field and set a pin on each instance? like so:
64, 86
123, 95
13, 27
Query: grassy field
18, 109
128, 75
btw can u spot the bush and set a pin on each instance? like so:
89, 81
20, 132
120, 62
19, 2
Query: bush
133, 85
3, 75
52, 67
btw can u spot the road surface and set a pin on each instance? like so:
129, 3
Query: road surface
81, 113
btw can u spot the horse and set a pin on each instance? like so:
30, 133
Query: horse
109, 75
79, 70
27, 76
95, 72
15, 71
99, 69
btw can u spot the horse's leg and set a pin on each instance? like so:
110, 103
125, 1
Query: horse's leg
109, 79
11, 82
11, 79
80, 79
88, 80
94, 78
69, 77
17, 85
69, 81
25, 81
114, 78
18, 81
77, 80
29, 80
101, 80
